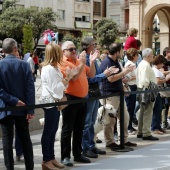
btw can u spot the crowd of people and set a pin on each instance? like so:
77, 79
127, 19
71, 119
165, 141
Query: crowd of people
89, 74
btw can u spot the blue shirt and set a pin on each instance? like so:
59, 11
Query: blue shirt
106, 86
99, 76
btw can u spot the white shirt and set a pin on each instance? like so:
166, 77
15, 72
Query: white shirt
31, 63
144, 74
51, 79
131, 74
158, 74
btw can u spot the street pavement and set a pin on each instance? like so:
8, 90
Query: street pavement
148, 155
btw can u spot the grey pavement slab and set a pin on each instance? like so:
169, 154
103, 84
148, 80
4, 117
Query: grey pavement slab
149, 155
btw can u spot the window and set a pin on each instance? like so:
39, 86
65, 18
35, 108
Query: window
97, 8
82, 17
116, 19
61, 14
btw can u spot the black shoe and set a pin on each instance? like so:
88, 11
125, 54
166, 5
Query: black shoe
67, 162
130, 144
150, 138
113, 145
98, 151
139, 136
82, 159
90, 154
98, 141
135, 122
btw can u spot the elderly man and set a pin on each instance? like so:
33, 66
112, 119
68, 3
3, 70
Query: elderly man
16, 80
74, 114
145, 75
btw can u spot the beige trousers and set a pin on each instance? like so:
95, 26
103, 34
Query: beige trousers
145, 118
109, 127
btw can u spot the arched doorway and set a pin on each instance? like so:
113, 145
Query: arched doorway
142, 13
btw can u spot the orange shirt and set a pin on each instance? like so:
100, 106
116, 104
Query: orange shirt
78, 87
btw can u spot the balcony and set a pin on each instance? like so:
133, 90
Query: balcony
125, 5
123, 27
81, 24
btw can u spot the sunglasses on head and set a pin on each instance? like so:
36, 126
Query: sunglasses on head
71, 49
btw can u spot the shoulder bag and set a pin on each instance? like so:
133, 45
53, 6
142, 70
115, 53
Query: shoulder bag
64, 99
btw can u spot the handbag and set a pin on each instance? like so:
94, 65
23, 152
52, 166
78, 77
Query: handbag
149, 97
94, 90
164, 93
63, 99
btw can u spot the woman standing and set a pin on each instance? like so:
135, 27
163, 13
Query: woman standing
158, 63
53, 86
132, 55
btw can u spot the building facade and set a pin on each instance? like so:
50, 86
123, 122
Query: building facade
75, 16
142, 16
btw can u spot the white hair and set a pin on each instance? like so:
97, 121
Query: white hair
66, 44
146, 52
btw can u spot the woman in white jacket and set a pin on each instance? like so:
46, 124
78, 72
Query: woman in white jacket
53, 86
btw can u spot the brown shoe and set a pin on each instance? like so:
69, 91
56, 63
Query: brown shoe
57, 164
46, 166
130, 144
162, 130
113, 145
158, 132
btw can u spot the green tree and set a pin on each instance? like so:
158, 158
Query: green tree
106, 31
13, 20
28, 42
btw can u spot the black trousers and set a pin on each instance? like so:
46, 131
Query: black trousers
21, 124
73, 121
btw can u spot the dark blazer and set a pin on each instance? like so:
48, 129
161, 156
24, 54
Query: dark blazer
16, 83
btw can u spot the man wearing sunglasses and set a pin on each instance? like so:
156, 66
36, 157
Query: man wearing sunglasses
74, 114
89, 149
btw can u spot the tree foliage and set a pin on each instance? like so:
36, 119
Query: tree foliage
28, 43
13, 20
106, 31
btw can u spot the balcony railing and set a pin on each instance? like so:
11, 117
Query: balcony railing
124, 27
98, 13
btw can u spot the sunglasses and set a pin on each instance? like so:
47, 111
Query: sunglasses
71, 49
94, 44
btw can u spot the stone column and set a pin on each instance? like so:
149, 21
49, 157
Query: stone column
164, 40
136, 15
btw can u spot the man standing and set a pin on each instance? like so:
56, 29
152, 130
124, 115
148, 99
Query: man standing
113, 84
17, 89
74, 114
144, 76
89, 149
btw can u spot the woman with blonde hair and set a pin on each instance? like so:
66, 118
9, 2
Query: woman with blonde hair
53, 86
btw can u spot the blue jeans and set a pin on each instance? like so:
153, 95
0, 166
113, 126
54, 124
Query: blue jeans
88, 132
156, 117
51, 116
130, 103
